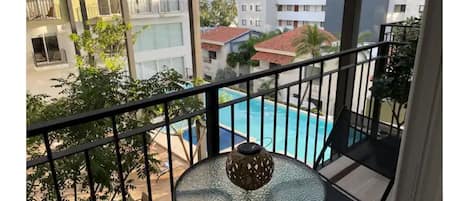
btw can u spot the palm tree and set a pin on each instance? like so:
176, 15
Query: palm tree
312, 42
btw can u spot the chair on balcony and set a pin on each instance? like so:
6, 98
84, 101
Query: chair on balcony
378, 153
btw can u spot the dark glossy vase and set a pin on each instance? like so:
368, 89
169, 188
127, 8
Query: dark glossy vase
249, 166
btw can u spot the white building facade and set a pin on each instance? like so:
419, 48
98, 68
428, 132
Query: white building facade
165, 40
267, 15
259, 15
399, 10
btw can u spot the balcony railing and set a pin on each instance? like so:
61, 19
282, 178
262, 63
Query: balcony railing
288, 128
42, 10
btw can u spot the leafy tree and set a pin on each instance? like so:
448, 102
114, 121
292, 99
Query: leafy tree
100, 84
393, 86
246, 50
311, 42
224, 74
217, 12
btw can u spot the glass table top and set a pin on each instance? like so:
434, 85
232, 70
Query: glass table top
291, 180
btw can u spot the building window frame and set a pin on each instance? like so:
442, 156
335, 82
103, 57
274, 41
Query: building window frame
399, 8
258, 8
421, 8
243, 22
243, 7
307, 8
47, 54
258, 23
289, 7
212, 55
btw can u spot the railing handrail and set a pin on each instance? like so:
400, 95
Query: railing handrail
84, 117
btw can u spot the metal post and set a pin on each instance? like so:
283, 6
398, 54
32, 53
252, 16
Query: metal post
213, 136
379, 69
84, 15
349, 36
128, 39
345, 78
73, 25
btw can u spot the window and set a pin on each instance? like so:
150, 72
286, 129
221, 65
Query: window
289, 7
321, 24
307, 8
251, 7
279, 7
207, 77
258, 8
243, 7
399, 8
323, 8
46, 50
289, 22
273, 65
107, 7
258, 23
243, 21
280, 23
159, 36
212, 55
167, 6
421, 7
147, 69
250, 22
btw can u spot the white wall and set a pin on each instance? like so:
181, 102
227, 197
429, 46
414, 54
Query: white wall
302, 16
266, 15
412, 9
172, 52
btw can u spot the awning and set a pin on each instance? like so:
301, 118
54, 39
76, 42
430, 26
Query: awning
272, 58
210, 47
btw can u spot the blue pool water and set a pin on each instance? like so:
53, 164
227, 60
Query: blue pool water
225, 138
255, 125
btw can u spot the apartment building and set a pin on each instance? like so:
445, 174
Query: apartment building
50, 52
267, 15
296, 13
399, 10
259, 15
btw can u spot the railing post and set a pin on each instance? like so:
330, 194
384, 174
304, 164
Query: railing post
383, 51
382, 31
213, 136
346, 78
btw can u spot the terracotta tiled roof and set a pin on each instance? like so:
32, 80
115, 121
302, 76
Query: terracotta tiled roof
223, 34
272, 58
210, 47
284, 41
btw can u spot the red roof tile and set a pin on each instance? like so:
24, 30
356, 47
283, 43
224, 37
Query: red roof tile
284, 41
223, 34
272, 58
210, 47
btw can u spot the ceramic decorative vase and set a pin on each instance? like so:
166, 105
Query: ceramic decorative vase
249, 166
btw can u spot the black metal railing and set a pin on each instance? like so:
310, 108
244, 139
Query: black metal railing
319, 86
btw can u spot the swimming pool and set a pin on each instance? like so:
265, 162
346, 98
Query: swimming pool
255, 125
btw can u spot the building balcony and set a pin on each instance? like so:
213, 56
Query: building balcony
153, 8
168, 144
42, 10
301, 16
